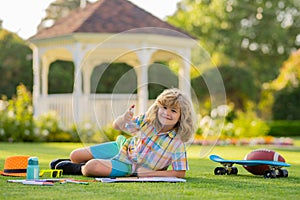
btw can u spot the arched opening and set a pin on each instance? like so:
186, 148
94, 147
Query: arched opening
160, 77
113, 78
61, 77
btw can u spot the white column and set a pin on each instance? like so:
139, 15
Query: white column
77, 91
144, 56
36, 81
184, 72
45, 73
86, 73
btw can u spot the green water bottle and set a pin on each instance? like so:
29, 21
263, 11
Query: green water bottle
33, 170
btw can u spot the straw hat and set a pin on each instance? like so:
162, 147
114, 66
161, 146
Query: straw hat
15, 166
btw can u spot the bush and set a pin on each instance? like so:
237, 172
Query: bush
247, 124
236, 124
17, 123
87, 132
110, 134
286, 105
282, 128
51, 129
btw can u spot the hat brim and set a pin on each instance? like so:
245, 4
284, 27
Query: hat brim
12, 174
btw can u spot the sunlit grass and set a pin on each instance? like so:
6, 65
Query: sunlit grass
201, 182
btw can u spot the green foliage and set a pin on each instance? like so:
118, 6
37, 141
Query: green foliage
51, 130
17, 123
287, 104
258, 35
239, 85
232, 123
289, 75
15, 63
110, 134
286, 89
122, 78
113, 78
57, 10
86, 132
247, 125
284, 128
160, 78
16, 118
61, 77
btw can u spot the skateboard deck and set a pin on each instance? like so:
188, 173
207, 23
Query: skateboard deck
275, 166
218, 159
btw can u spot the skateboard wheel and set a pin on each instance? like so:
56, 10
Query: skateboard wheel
270, 174
220, 171
282, 173
232, 170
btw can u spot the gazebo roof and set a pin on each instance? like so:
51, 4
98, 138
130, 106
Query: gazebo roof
109, 16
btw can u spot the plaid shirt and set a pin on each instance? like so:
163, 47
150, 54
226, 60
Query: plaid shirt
152, 150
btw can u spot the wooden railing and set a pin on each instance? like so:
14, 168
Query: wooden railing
96, 108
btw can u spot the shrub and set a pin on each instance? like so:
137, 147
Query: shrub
247, 124
281, 128
87, 132
110, 134
51, 129
286, 105
17, 122
236, 124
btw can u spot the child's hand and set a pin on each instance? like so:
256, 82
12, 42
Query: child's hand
129, 125
128, 115
124, 121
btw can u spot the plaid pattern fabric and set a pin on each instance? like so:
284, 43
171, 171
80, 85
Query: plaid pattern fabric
154, 150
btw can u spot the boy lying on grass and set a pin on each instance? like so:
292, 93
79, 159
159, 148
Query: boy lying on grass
159, 141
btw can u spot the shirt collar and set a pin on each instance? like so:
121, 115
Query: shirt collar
171, 133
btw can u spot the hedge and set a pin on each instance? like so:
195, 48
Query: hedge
284, 128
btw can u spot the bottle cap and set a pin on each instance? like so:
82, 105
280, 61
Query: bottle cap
33, 161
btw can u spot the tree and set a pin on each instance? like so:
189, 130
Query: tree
239, 85
258, 35
15, 63
287, 90
286, 105
57, 10
289, 73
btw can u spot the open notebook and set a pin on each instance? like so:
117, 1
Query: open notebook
141, 179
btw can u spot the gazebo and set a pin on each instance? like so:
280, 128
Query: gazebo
104, 32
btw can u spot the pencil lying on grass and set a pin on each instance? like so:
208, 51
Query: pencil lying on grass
37, 183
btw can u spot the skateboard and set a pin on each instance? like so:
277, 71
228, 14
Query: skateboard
274, 171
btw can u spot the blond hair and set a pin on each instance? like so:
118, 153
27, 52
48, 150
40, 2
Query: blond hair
174, 97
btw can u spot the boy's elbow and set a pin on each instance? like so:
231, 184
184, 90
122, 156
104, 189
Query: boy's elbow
180, 174
115, 126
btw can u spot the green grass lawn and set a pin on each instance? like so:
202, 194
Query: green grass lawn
201, 182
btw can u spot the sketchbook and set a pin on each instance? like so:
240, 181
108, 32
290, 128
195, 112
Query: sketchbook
141, 179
